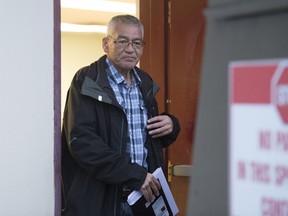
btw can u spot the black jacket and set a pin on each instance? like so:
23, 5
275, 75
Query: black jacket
95, 165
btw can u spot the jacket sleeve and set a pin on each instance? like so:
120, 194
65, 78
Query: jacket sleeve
89, 150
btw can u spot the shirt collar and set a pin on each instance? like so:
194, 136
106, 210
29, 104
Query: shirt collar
117, 77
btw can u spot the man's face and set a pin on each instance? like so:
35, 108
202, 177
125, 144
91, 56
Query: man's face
124, 56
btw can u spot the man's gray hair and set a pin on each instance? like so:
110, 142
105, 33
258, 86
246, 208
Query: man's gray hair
125, 19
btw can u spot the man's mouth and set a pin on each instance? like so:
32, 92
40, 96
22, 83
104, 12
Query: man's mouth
129, 58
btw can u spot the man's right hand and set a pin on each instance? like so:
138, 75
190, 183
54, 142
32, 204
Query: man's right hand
150, 187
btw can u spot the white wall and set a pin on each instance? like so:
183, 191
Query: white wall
26, 108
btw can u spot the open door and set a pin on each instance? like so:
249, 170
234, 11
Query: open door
174, 32
186, 32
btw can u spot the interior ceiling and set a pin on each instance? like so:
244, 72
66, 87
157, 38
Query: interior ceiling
89, 17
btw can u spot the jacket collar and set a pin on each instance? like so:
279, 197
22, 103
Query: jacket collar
96, 84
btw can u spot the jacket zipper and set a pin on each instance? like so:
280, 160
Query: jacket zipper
64, 196
116, 194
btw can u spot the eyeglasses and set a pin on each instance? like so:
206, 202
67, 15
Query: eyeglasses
124, 43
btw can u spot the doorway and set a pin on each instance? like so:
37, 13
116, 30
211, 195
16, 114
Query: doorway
174, 33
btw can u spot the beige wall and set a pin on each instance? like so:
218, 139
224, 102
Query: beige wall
78, 50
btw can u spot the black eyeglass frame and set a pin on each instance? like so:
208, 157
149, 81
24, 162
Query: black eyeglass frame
124, 42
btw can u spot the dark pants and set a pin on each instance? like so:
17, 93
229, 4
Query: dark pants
126, 210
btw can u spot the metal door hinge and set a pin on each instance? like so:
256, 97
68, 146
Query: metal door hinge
170, 167
169, 14
178, 170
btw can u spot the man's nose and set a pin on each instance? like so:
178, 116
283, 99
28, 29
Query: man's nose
128, 47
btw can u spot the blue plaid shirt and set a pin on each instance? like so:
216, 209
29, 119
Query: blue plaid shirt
131, 100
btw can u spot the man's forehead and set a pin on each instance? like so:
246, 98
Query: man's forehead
126, 26
133, 32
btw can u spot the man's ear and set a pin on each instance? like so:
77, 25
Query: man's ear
105, 44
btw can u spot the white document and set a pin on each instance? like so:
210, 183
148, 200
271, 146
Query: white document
136, 195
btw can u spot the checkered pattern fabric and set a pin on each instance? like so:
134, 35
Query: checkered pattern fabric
131, 100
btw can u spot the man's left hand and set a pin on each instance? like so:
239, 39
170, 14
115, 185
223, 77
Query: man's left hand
159, 126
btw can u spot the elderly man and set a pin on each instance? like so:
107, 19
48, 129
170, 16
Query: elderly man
113, 135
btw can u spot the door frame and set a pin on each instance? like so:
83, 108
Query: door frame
57, 108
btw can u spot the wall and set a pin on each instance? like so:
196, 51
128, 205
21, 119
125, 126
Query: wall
236, 30
78, 50
26, 110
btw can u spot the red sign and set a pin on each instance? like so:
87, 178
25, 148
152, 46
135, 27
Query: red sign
279, 93
263, 83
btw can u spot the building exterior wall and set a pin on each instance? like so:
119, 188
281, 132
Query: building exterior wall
236, 30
